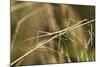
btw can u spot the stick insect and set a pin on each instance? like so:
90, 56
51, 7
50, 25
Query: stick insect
56, 34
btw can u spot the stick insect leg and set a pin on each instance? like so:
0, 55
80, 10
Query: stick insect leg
39, 34
59, 42
59, 48
69, 21
73, 20
43, 32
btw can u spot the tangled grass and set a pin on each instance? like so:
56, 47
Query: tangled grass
51, 33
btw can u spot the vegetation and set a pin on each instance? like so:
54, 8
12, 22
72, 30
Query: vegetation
44, 33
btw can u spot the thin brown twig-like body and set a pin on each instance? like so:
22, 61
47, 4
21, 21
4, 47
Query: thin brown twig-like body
46, 41
48, 34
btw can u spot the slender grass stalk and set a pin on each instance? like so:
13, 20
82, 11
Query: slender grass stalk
46, 41
93, 59
85, 43
67, 54
82, 57
87, 58
26, 53
91, 34
78, 59
19, 62
90, 39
